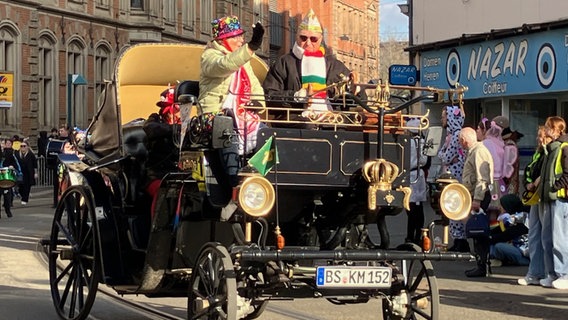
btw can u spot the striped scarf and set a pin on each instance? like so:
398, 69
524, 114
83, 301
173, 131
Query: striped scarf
314, 72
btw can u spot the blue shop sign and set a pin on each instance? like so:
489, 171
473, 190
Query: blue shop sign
404, 75
526, 64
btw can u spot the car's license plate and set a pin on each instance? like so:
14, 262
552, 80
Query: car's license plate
353, 277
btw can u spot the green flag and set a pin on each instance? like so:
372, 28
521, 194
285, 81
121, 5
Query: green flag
265, 158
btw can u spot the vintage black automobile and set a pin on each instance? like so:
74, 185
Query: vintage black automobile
299, 231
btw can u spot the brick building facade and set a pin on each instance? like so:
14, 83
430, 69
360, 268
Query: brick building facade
42, 42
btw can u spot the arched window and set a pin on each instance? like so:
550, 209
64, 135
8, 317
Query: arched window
47, 78
103, 64
206, 16
188, 14
76, 65
9, 62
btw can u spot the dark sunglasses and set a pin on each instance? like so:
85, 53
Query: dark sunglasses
23, 146
312, 38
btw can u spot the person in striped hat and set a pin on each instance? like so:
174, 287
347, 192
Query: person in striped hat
304, 72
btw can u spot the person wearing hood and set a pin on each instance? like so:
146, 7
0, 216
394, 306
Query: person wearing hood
452, 157
299, 78
511, 140
494, 143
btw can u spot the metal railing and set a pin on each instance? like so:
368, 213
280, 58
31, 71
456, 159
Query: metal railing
45, 175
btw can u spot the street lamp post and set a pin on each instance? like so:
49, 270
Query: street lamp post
72, 81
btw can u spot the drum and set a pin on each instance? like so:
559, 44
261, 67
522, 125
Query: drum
54, 147
7, 178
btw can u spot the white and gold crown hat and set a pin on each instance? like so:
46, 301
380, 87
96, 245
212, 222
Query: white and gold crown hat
311, 22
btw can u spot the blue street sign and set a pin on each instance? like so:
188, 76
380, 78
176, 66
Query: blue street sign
403, 75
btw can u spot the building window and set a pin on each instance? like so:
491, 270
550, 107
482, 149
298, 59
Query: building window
8, 117
47, 106
137, 4
206, 15
169, 8
102, 69
188, 14
76, 65
258, 10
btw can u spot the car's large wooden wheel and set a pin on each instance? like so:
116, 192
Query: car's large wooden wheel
213, 287
419, 297
73, 267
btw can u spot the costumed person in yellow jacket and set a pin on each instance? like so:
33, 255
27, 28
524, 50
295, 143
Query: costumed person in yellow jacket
227, 80
228, 83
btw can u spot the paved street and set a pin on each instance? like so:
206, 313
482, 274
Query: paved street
24, 283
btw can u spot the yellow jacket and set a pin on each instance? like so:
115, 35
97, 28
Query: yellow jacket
217, 67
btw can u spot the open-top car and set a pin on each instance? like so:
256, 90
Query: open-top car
148, 208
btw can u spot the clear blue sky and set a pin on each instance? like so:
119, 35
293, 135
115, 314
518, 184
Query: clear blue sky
393, 23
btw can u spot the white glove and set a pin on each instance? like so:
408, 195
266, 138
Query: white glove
300, 95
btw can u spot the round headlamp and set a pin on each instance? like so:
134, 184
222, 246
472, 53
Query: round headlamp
455, 201
256, 196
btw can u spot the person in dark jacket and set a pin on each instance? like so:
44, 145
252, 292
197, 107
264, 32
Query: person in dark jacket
28, 164
7, 160
559, 217
509, 239
304, 73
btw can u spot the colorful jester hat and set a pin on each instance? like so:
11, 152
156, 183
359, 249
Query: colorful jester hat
226, 27
311, 22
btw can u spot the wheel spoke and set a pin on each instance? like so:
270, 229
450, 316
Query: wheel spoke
420, 312
86, 277
417, 297
64, 272
417, 280
66, 233
86, 239
67, 288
